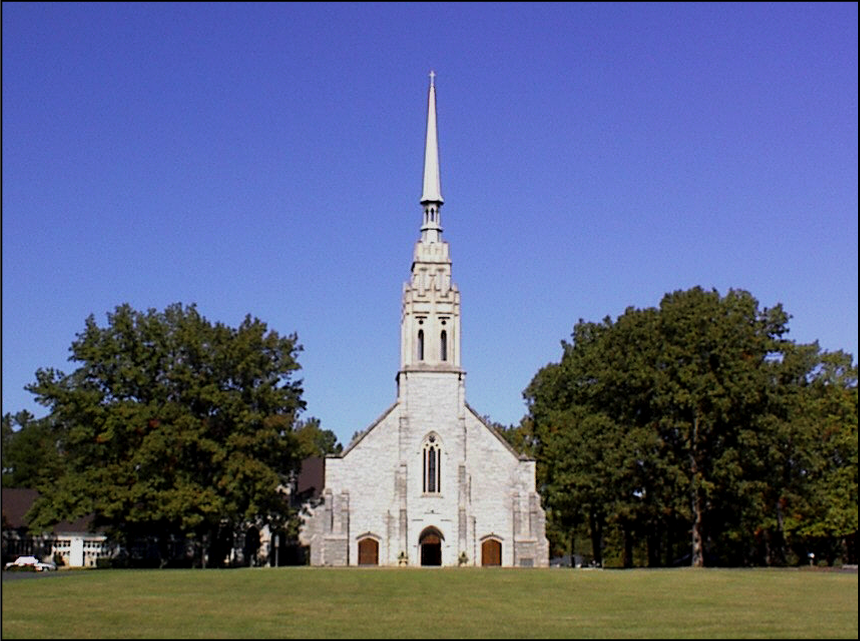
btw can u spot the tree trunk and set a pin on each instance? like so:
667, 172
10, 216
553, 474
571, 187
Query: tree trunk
671, 537
779, 552
697, 559
596, 538
628, 545
654, 545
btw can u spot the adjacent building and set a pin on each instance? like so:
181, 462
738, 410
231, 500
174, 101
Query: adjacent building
72, 544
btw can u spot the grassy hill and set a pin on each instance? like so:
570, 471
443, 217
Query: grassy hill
442, 603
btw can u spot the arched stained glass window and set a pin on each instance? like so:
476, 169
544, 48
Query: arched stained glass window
432, 463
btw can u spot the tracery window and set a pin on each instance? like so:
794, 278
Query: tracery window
432, 451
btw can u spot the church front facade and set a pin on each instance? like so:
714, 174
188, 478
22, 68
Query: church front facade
429, 482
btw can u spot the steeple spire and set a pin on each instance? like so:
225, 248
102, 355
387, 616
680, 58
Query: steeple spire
431, 197
432, 191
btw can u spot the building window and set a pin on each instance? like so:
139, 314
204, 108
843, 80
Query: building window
432, 463
443, 345
420, 344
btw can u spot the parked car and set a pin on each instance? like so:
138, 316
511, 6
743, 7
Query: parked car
39, 566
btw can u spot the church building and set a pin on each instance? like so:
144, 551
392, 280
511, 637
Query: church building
429, 482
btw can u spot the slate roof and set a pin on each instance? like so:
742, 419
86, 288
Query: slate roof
311, 478
16, 503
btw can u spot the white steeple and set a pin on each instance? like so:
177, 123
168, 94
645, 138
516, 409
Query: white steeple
431, 197
430, 324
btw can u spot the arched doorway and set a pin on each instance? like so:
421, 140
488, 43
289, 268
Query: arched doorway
430, 543
368, 551
491, 552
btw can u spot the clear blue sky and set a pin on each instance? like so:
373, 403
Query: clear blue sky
266, 159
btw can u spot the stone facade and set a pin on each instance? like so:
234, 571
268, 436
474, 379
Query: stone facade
429, 482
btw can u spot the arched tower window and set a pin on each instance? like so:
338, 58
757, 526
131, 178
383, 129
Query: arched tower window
443, 346
431, 452
420, 344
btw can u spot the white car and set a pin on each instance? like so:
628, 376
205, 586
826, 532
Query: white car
40, 566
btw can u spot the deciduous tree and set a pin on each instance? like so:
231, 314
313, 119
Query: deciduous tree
172, 427
697, 416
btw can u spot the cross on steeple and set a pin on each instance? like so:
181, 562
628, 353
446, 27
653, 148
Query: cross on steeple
432, 76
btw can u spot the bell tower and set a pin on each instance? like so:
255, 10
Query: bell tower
430, 321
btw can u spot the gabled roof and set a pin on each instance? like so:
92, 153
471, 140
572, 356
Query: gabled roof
18, 501
493, 431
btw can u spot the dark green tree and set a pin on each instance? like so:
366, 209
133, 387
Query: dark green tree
665, 422
173, 428
832, 477
596, 454
710, 385
315, 441
810, 455
30, 456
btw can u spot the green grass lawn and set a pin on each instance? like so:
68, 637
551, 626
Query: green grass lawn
442, 603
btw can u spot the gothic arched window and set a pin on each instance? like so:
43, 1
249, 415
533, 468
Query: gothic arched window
420, 344
431, 452
443, 346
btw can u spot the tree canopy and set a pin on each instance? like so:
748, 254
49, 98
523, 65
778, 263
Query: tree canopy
172, 428
697, 428
30, 458
315, 441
